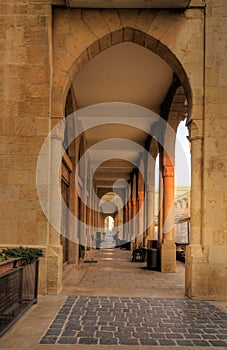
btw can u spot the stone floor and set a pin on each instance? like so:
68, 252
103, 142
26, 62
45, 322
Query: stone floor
115, 274
137, 321
116, 304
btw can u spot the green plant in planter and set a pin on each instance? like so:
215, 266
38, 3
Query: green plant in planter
81, 251
3, 257
28, 254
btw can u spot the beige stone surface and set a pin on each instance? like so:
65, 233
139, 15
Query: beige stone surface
41, 52
114, 267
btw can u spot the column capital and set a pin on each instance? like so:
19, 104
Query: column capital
140, 195
150, 188
134, 201
195, 138
58, 131
195, 127
168, 171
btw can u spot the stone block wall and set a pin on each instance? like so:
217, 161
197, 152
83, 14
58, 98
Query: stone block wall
25, 65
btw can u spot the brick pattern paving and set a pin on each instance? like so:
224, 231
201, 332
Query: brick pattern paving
138, 321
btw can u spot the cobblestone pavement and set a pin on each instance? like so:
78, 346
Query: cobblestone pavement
138, 321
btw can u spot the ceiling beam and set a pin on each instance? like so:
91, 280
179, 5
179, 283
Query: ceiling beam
111, 176
109, 183
127, 3
114, 170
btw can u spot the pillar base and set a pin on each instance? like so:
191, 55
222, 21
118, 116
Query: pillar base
206, 273
139, 241
54, 269
168, 256
73, 253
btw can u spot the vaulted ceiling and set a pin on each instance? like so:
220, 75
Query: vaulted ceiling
123, 73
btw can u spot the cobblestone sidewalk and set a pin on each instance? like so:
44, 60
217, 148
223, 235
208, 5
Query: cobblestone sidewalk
138, 321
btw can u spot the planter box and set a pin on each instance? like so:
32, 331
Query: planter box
18, 290
19, 262
10, 264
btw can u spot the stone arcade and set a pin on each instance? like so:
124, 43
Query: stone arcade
58, 57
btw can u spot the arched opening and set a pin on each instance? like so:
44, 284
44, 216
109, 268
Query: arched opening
66, 186
111, 209
182, 157
182, 190
108, 78
109, 224
152, 74
157, 196
81, 178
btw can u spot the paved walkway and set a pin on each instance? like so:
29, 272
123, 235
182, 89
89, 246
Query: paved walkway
116, 304
115, 274
137, 321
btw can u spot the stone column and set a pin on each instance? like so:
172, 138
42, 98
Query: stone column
160, 202
134, 211
140, 239
150, 192
196, 189
137, 223
96, 213
73, 246
93, 216
196, 261
150, 212
89, 222
125, 209
116, 221
134, 226
168, 202
54, 249
100, 221
168, 247
129, 221
82, 216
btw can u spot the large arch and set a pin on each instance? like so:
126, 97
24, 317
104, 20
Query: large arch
125, 34
97, 30
152, 37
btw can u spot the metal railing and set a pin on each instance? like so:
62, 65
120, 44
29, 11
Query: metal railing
18, 291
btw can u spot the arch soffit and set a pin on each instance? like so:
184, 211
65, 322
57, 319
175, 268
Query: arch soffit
107, 215
125, 34
108, 195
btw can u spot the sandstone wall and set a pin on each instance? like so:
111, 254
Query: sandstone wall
214, 234
25, 64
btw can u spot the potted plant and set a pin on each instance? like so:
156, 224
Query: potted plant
6, 264
15, 257
81, 251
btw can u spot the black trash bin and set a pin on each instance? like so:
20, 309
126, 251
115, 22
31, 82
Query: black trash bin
98, 240
152, 254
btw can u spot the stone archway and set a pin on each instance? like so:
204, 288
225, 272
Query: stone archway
97, 30
153, 36
125, 34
